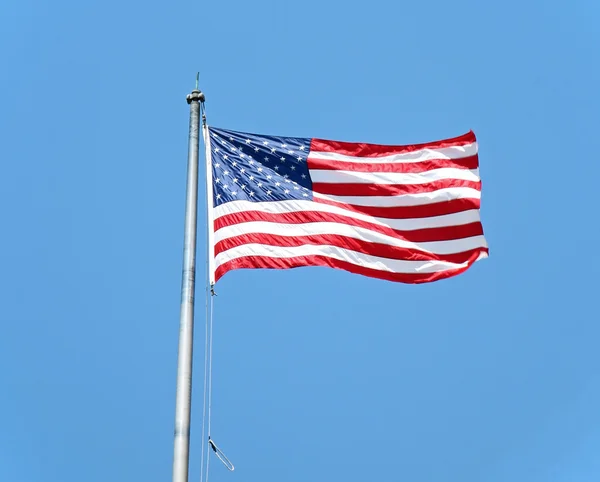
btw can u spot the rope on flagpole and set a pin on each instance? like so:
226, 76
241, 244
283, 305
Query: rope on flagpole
209, 321
208, 347
211, 444
205, 386
207, 313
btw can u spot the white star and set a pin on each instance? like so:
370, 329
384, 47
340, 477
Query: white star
259, 184
243, 186
286, 176
234, 164
217, 180
303, 176
287, 191
247, 141
300, 158
241, 154
269, 176
225, 157
260, 169
277, 168
265, 143
293, 168
290, 152
266, 159
251, 194
278, 184
218, 196
225, 173
283, 146
217, 149
269, 192
225, 186
272, 149
282, 159
251, 178
242, 170
296, 188
301, 148
231, 138
305, 195
235, 180
217, 165
233, 193
233, 148
256, 149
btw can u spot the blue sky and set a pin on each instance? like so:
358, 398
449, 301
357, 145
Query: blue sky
491, 376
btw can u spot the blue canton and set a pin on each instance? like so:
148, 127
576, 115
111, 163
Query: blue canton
258, 168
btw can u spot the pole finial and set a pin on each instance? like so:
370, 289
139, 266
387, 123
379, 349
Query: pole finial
196, 94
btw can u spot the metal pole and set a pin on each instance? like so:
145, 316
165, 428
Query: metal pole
186, 323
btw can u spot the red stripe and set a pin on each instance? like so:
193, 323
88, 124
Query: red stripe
470, 162
355, 189
378, 150
446, 233
300, 261
408, 212
345, 242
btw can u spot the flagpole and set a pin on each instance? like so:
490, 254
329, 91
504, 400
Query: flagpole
181, 446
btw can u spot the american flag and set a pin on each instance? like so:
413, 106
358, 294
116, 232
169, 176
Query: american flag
401, 213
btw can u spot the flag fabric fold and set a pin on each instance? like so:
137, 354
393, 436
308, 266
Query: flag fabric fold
408, 213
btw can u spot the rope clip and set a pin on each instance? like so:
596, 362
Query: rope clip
220, 455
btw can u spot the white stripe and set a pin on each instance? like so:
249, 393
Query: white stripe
417, 199
209, 203
359, 259
454, 152
363, 234
356, 177
281, 207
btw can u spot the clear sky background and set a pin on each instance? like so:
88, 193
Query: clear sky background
319, 375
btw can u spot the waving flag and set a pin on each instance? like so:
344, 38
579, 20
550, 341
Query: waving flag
401, 213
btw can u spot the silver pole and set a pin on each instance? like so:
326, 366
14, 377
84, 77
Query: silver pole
186, 322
